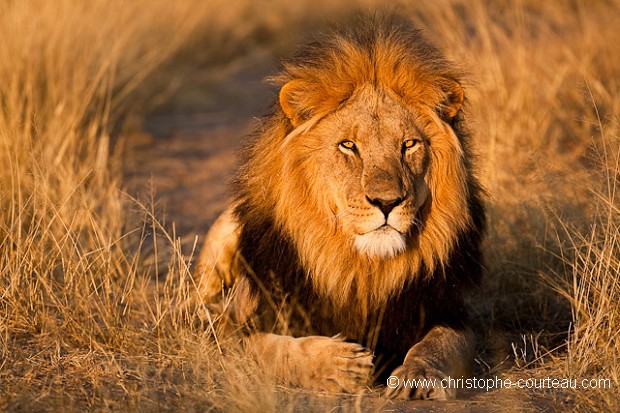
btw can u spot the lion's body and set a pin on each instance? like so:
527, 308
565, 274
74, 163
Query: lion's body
357, 210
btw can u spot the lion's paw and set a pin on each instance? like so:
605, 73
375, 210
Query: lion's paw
331, 364
418, 379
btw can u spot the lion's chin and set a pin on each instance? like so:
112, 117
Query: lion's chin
384, 242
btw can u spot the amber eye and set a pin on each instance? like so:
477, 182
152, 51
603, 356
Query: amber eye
410, 143
347, 145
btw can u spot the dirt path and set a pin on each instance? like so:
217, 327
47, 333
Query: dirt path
189, 156
188, 159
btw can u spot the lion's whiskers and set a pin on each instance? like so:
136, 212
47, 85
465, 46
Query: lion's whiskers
342, 214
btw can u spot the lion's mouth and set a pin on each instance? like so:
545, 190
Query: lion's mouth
383, 242
383, 229
387, 227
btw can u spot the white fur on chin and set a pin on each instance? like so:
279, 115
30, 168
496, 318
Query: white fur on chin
384, 242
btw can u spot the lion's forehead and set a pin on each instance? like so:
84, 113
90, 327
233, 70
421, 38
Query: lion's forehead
379, 121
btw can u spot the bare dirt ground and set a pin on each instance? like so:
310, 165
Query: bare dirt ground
186, 157
189, 155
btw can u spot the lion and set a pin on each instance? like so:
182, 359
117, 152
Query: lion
356, 227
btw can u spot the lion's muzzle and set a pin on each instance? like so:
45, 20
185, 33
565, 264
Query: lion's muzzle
385, 205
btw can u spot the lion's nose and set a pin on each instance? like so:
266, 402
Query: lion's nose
385, 205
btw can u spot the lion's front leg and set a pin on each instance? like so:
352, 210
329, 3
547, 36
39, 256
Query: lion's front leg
314, 362
444, 352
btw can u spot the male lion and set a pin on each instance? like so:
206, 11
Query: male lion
358, 218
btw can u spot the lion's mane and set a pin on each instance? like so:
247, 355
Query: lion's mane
286, 241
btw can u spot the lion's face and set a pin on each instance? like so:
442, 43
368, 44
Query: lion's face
369, 163
377, 164
363, 171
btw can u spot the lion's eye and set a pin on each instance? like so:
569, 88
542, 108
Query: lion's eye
347, 145
410, 143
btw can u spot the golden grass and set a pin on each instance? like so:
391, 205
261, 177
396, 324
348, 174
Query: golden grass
76, 313
89, 320
592, 285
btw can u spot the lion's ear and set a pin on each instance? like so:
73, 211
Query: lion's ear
301, 99
453, 100
291, 96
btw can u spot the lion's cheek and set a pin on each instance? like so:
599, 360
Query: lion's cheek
422, 191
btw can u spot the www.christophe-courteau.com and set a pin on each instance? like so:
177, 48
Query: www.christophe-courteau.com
488, 384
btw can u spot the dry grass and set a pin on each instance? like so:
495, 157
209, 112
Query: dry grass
87, 317
77, 314
592, 284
